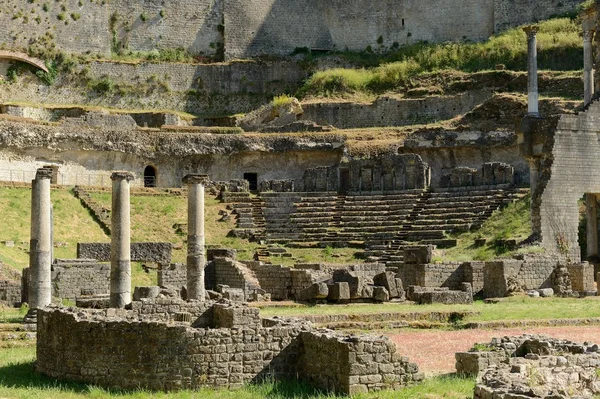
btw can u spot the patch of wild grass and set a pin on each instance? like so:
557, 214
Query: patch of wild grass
559, 48
513, 221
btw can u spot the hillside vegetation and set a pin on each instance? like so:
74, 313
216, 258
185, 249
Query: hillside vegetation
559, 49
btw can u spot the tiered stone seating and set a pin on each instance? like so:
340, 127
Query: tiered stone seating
381, 223
458, 210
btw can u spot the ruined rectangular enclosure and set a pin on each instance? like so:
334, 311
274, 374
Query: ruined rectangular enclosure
222, 345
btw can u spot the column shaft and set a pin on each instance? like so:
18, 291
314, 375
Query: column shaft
588, 66
591, 210
532, 78
120, 240
40, 258
196, 258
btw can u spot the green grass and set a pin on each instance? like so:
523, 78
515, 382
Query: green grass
19, 380
559, 49
72, 224
512, 308
513, 221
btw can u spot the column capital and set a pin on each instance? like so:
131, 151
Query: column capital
122, 176
531, 30
588, 34
43, 173
195, 179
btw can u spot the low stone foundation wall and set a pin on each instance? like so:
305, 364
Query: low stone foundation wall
226, 346
72, 279
159, 252
10, 293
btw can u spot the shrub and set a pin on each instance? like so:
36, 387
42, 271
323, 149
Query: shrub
282, 100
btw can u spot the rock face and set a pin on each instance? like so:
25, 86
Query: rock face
272, 115
532, 366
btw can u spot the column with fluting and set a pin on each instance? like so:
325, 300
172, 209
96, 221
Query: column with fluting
120, 241
196, 258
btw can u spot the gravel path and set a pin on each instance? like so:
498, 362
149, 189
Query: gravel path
433, 350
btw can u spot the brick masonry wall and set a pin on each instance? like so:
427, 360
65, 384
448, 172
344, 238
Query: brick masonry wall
109, 345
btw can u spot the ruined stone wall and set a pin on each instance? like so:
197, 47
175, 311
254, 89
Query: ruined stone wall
582, 277
99, 27
362, 364
448, 274
574, 171
159, 252
273, 26
390, 111
510, 13
10, 292
72, 280
532, 272
274, 279
173, 275
105, 348
207, 89
242, 29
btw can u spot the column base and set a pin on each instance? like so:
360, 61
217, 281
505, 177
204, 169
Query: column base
30, 320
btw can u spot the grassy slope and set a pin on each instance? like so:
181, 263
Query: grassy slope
152, 219
559, 48
72, 224
513, 221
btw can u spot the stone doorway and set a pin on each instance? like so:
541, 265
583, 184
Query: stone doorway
150, 176
344, 181
252, 179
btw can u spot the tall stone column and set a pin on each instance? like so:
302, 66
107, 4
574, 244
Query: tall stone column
120, 241
196, 258
40, 249
532, 78
591, 211
588, 66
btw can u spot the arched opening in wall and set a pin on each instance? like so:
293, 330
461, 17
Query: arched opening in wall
252, 180
150, 176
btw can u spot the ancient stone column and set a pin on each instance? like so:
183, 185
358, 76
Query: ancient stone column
588, 66
591, 210
120, 241
532, 78
40, 258
196, 258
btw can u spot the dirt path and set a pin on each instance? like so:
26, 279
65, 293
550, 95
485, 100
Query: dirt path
433, 350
